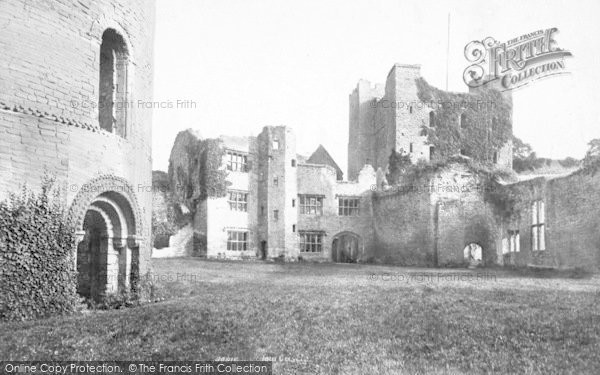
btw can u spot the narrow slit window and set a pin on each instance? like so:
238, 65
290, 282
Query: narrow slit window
112, 100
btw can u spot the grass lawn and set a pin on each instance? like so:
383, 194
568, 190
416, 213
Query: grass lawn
337, 319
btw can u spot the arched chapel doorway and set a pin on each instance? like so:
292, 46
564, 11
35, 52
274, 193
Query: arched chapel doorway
346, 247
107, 256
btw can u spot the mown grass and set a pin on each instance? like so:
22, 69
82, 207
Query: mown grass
338, 319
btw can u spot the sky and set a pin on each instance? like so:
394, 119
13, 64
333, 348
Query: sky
246, 64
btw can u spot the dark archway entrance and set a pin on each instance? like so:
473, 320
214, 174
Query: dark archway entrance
108, 248
345, 248
263, 250
92, 254
473, 254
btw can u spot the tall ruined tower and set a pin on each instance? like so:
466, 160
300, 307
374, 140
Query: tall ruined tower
363, 110
277, 193
423, 122
382, 119
71, 76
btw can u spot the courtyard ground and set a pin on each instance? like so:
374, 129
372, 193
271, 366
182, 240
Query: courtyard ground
337, 319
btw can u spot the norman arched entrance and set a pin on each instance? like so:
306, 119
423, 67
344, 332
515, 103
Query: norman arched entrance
473, 254
108, 239
345, 247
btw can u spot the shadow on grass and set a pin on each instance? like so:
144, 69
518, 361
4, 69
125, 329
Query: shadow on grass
550, 273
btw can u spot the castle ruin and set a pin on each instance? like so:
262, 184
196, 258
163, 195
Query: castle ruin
449, 209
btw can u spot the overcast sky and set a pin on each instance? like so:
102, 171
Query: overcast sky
251, 63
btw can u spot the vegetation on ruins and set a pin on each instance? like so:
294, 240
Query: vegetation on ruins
478, 124
37, 277
591, 161
163, 212
525, 159
195, 173
504, 199
398, 164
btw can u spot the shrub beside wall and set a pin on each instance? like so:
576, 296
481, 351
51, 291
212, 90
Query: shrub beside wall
37, 275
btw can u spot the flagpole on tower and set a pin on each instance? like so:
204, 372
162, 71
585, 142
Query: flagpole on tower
448, 51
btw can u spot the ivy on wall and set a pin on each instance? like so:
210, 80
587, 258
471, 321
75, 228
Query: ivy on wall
398, 164
37, 276
195, 171
479, 124
591, 161
507, 200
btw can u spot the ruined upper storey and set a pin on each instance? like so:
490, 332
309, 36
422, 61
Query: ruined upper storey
410, 116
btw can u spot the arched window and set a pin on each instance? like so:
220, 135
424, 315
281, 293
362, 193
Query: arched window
463, 121
112, 99
431, 119
494, 123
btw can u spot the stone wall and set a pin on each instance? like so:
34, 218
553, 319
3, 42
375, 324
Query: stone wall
216, 218
278, 181
316, 179
428, 221
398, 117
403, 226
49, 84
572, 222
362, 115
462, 216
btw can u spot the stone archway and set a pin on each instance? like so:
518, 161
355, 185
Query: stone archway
107, 216
346, 247
473, 254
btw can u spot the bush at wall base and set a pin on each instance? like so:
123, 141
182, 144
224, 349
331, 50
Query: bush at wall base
37, 277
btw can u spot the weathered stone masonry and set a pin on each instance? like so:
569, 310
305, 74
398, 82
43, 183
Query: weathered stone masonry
291, 207
49, 122
570, 220
267, 185
409, 116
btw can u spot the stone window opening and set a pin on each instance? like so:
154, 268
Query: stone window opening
348, 206
311, 242
463, 121
311, 205
538, 234
237, 240
293, 203
112, 93
431, 119
431, 152
275, 144
410, 147
293, 162
514, 241
494, 123
237, 162
294, 228
238, 201
275, 215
